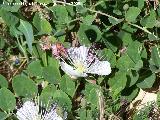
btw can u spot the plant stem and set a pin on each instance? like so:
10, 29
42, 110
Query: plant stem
137, 26
78, 83
105, 14
142, 28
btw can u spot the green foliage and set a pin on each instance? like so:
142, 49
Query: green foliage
7, 100
41, 24
126, 34
132, 14
26, 28
46, 95
3, 81
24, 86
149, 20
154, 60
35, 68
67, 85
51, 73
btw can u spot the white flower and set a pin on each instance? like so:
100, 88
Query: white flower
83, 61
31, 111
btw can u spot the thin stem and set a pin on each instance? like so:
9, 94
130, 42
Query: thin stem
76, 89
18, 69
105, 14
137, 26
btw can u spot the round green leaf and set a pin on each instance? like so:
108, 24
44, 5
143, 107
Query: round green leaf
42, 25
146, 81
132, 14
130, 93
88, 33
62, 99
61, 14
51, 74
3, 115
88, 19
35, 68
67, 85
132, 77
7, 100
149, 20
24, 86
118, 83
3, 81
47, 94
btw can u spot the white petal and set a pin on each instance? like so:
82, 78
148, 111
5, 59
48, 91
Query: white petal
78, 53
29, 111
100, 68
71, 71
52, 115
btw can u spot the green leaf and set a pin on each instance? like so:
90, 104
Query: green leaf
88, 33
118, 83
132, 14
125, 34
155, 56
144, 53
110, 56
81, 9
149, 20
130, 93
24, 86
2, 43
3, 81
117, 12
140, 4
67, 85
15, 32
158, 99
35, 68
26, 28
3, 115
37, 51
47, 94
82, 1
12, 8
146, 81
9, 18
111, 41
115, 21
132, 77
62, 99
71, 11
154, 60
51, 73
88, 19
42, 25
152, 37
91, 94
44, 59
61, 14
7, 100
138, 65
125, 63
134, 50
